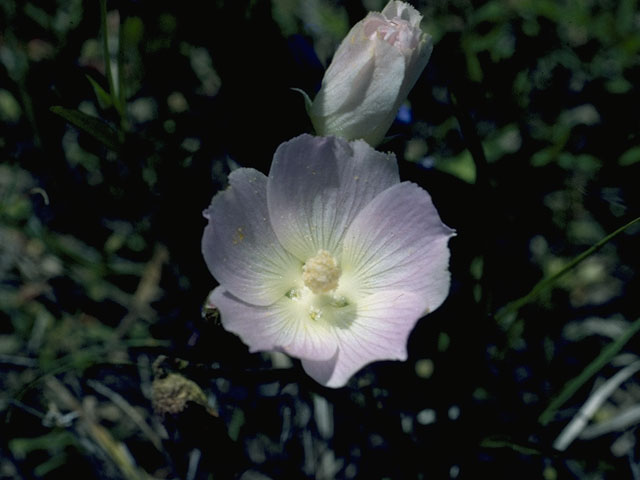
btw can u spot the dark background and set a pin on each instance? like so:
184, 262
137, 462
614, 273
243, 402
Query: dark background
524, 129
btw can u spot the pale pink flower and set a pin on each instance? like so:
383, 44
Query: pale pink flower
329, 259
371, 74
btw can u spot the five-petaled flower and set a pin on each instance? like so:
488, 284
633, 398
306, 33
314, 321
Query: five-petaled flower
371, 74
329, 259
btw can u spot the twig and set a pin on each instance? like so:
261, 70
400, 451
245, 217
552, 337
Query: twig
145, 292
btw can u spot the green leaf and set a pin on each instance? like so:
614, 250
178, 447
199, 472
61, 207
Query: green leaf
56, 439
51, 464
629, 157
237, 420
544, 156
473, 65
503, 442
104, 98
461, 166
133, 31
284, 12
10, 110
92, 125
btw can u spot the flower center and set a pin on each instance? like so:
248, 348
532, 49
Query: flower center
321, 273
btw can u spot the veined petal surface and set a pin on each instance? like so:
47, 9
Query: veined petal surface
239, 245
359, 103
349, 74
379, 332
371, 74
398, 242
280, 326
317, 186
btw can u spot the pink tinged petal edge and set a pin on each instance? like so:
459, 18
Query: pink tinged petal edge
403, 10
416, 59
398, 242
239, 245
380, 332
317, 186
368, 79
274, 327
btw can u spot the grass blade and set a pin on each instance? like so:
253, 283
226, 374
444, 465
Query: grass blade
594, 367
546, 283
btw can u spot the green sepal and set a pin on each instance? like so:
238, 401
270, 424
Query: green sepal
307, 100
629, 157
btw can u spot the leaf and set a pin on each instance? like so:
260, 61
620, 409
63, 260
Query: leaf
629, 157
133, 31
461, 166
104, 98
92, 125
10, 110
499, 442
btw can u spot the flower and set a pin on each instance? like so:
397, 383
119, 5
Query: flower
371, 74
329, 259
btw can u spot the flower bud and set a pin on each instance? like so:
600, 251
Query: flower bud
371, 74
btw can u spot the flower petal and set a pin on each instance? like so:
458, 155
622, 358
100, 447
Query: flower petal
239, 245
379, 332
361, 89
398, 242
371, 74
349, 71
318, 185
404, 11
280, 326
348, 80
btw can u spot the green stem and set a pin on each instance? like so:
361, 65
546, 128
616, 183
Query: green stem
545, 283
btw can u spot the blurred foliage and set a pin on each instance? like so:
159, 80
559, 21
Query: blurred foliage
121, 119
